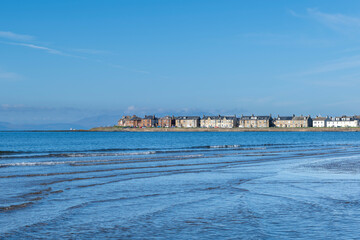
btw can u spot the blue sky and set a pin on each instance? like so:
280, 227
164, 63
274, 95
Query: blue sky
61, 61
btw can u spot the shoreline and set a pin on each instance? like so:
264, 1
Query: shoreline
272, 129
117, 129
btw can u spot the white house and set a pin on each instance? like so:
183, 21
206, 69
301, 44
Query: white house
187, 121
343, 121
218, 122
320, 121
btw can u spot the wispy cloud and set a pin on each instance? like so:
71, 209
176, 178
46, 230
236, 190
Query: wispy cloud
25, 43
15, 36
335, 21
49, 50
8, 76
11, 106
62, 53
67, 52
341, 72
295, 14
43, 48
335, 65
23, 108
341, 23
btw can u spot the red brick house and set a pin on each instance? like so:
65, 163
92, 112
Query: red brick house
148, 121
166, 121
129, 121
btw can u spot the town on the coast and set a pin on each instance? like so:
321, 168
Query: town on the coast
151, 121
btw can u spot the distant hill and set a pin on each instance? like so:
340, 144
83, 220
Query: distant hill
4, 125
55, 126
86, 123
97, 121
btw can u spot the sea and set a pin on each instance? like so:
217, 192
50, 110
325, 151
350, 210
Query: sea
179, 185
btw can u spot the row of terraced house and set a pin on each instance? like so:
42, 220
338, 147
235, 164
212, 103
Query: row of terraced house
241, 122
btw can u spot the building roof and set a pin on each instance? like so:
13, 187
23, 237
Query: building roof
284, 118
219, 117
212, 117
320, 118
129, 118
230, 117
188, 118
343, 118
301, 118
245, 117
150, 117
255, 117
134, 118
167, 117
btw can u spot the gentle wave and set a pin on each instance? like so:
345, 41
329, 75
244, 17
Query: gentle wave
225, 146
35, 163
78, 154
211, 163
16, 206
140, 149
139, 160
84, 150
135, 151
155, 158
95, 162
5, 152
240, 145
99, 154
12, 152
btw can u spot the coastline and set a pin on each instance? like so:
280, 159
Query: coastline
272, 129
118, 129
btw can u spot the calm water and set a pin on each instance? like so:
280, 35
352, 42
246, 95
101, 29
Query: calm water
179, 185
